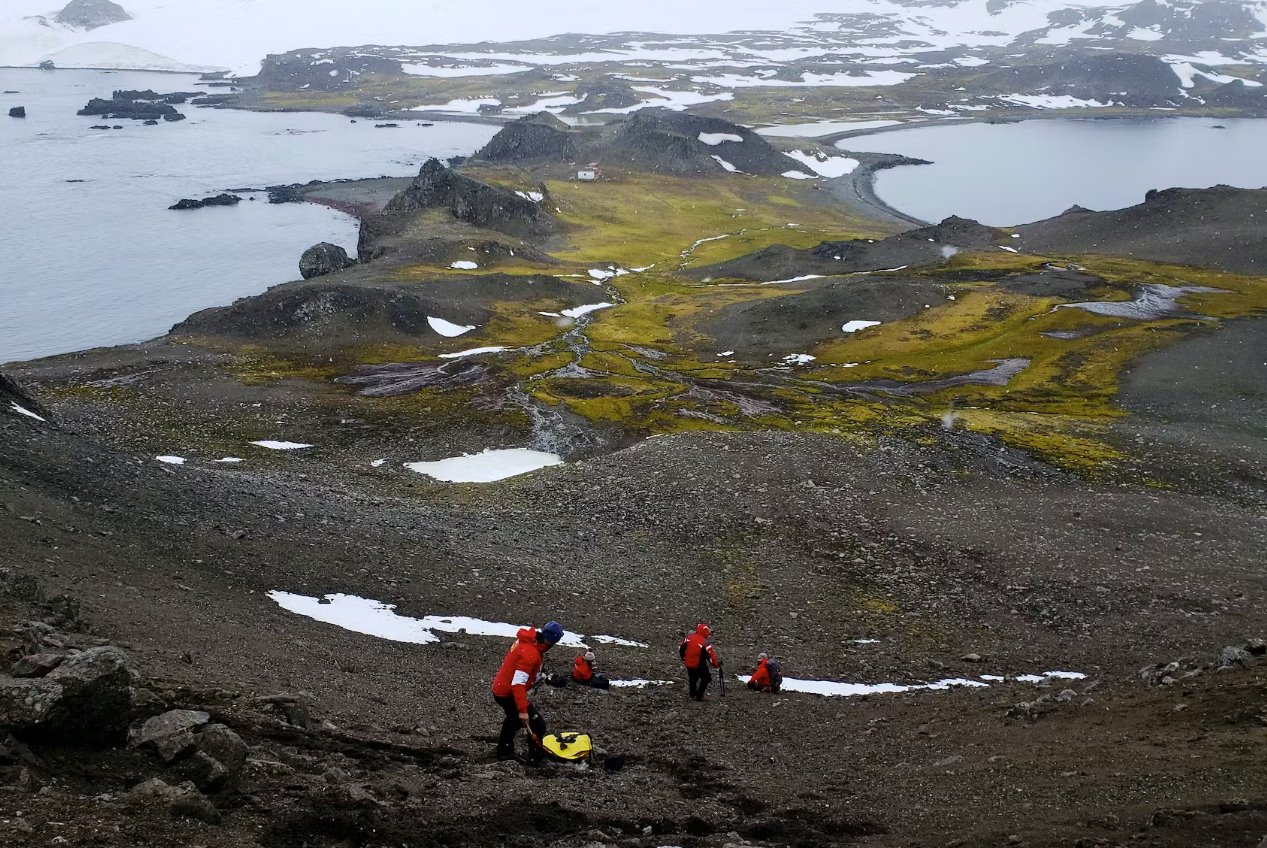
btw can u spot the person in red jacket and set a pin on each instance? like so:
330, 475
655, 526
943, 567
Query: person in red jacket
517, 675
584, 674
766, 676
697, 654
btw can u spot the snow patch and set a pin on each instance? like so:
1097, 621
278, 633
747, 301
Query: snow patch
447, 328
171, 460
473, 352
487, 466
378, 619
726, 165
271, 445
824, 165
464, 265
855, 326
22, 410
714, 139
578, 311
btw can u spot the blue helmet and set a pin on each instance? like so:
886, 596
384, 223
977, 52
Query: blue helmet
552, 632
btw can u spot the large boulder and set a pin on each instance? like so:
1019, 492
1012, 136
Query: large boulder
322, 259
183, 801
91, 14
210, 755
87, 700
17, 112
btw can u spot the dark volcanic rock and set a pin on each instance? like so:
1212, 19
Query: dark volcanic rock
471, 202
1218, 227
666, 141
17, 112
221, 199
529, 138
322, 259
91, 14
135, 109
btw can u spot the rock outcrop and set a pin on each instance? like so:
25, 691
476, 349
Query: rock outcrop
91, 14
1213, 227
17, 112
530, 138
679, 142
322, 259
471, 202
605, 93
142, 108
222, 199
87, 699
14, 393
209, 755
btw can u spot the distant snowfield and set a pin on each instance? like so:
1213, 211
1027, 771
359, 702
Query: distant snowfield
236, 34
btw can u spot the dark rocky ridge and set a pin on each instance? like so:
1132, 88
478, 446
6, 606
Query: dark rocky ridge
1212, 227
11, 392
471, 202
530, 137
661, 140
924, 246
1130, 79
91, 14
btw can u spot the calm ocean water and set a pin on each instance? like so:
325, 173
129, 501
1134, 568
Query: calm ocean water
104, 262
1003, 174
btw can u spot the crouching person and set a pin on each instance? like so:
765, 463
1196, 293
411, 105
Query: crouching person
515, 678
767, 676
583, 671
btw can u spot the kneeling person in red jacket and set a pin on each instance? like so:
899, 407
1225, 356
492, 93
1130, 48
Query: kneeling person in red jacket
584, 674
517, 675
766, 676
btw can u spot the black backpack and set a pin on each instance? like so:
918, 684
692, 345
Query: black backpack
776, 673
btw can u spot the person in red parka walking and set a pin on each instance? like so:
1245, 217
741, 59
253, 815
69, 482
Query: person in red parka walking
517, 675
697, 654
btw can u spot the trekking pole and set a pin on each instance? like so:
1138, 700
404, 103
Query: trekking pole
721, 678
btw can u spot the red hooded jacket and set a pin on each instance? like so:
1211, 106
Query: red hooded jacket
697, 648
761, 676
582, 671
520, 668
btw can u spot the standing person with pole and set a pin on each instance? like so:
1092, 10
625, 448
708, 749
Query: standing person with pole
517, 675
697, 654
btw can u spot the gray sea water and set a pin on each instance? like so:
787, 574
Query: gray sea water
1004, 174
103, 261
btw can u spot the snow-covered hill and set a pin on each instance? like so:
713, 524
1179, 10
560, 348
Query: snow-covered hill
237, 34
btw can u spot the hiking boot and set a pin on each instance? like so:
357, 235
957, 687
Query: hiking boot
502, 756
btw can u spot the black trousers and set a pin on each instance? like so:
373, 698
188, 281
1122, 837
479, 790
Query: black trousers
511, 725
697, 680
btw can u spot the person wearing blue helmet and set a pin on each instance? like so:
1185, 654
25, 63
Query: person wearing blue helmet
515, 679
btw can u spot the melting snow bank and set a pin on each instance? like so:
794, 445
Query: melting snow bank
464, 265
487, 466
824, 165
855, 326
375, 618
171, 460
21, 410
473, 352
281, 445
639, 683
1153, 301
578, 311
448, 328
832, 688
